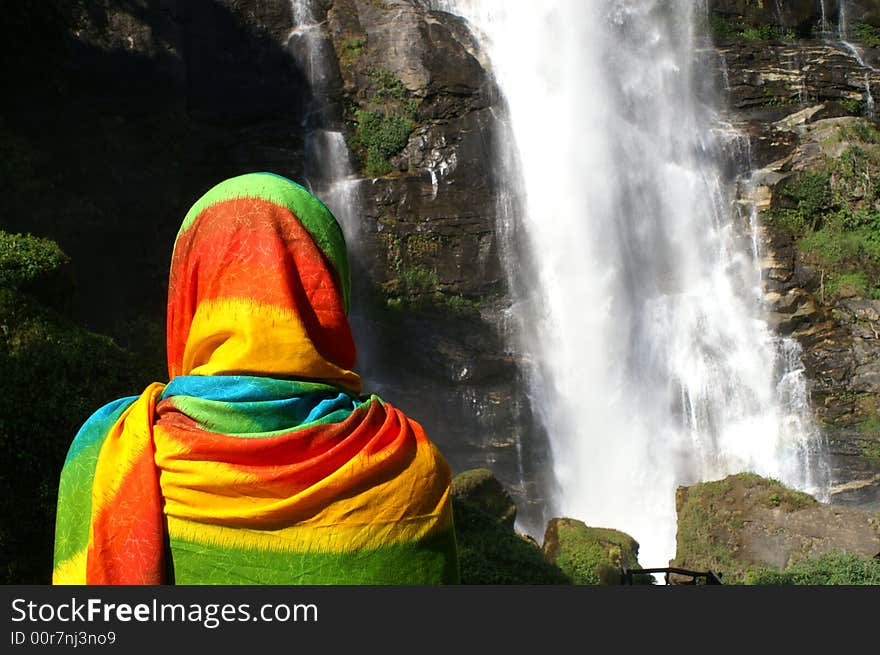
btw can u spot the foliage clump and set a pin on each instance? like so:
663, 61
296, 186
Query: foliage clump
53, 375
834, 215
722, 29
835, 568
867, 34
25, 258
491, 553
383, 125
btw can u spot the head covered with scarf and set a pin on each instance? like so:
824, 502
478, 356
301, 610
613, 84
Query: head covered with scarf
259, 462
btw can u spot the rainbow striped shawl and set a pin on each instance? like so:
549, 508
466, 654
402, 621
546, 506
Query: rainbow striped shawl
259, 462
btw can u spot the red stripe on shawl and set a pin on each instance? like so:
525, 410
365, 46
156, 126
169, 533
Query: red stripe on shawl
253, 248
127, 544
298, 459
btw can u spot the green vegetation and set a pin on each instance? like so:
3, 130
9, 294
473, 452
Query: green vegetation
867, 34
25, 258
869, 444
416, 285
768, 33
383, 126
834, 215
710, 518
350, 50
53, 375
723, 29
836, 568
591, 556
491, 553
852, 106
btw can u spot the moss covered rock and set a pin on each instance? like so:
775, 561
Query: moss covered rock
745, 524
480, 488
589, 555
490, 550
492, 553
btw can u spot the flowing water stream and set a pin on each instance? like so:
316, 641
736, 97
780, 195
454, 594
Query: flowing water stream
639, 303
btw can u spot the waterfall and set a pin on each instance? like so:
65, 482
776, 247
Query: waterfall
639, 304
327, 167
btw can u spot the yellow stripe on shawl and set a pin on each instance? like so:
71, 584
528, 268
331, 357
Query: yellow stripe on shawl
380, 515
124, 445
309, 537
256, 340
72, 570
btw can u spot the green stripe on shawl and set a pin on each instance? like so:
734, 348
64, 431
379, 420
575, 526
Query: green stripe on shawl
423, 562
72, 525
311, 212
254, 407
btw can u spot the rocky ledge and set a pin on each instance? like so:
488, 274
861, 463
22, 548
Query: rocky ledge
806, 107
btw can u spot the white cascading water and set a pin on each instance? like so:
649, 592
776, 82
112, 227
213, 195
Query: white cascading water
328, 170
653, 366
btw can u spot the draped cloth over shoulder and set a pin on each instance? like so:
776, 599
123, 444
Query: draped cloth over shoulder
260, 461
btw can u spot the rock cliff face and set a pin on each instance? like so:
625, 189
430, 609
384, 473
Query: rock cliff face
804, 98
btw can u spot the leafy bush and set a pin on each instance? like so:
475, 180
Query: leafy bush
25, 258
867, 34
53, 375
836, 568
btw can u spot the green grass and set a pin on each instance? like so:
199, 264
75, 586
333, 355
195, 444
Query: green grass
836, 568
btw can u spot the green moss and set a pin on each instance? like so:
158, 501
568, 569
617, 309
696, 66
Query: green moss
384, 123
490, 553
709, 520
350, 50
380, 135
591, 556
836, 568
870, 444
871, 425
